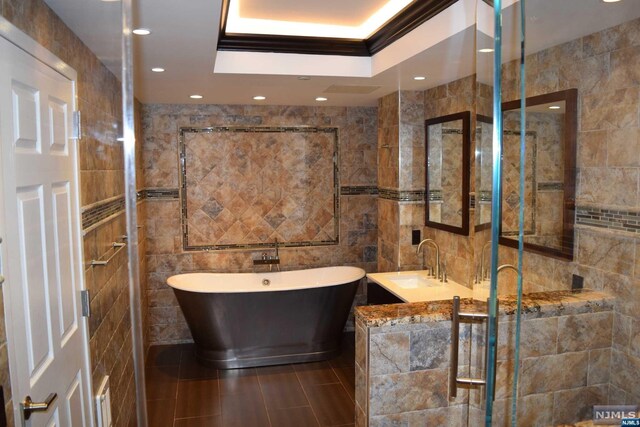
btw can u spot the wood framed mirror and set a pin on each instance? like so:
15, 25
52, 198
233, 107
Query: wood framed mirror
550, 173
447, 172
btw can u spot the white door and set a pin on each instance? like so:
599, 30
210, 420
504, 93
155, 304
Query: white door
41, 248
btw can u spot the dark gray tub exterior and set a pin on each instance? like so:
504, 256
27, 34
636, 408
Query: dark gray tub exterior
241, 330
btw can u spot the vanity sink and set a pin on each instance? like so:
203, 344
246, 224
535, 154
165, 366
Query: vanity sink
415, 286
414, 281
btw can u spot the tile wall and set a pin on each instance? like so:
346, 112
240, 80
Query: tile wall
401, 178
101, 173
604, 68
165, 254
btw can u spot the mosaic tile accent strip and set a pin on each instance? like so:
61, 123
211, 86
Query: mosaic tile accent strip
435, 195
243, 187
609, 218
402, 196
100, 211
472, 200
551, 186
484, 196
358, 191
162, 193
103, 210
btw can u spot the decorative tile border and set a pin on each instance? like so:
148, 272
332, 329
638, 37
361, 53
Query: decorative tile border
550, 186
356, 190
402, 196
98, 212
484, 196
609, 219
161, 193
435, 195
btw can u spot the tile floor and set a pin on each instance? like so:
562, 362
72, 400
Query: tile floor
182, 393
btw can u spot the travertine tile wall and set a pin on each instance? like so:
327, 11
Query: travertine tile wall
101, 165
165, 256
604, 68
400, 158
388, 153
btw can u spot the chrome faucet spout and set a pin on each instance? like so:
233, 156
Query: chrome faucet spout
507, 266
483, 269
437, 248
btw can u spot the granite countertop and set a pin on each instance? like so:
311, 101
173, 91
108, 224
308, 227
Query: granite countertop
539, 304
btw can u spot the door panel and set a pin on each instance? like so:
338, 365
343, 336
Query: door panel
58, 119
63, 241
42, 248
35, 281
26, 118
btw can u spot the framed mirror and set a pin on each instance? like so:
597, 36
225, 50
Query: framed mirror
550, 173
447, 174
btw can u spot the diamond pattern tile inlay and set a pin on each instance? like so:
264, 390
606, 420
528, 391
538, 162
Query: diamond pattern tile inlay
249, 186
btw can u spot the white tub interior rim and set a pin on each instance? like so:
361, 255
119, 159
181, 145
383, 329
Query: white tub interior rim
253, 282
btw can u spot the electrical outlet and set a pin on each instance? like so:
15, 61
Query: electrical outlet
577, 282
415, 237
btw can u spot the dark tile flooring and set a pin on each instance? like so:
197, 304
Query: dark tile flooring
183, 393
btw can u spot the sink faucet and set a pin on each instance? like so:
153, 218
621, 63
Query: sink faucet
269, 260
507, 266
437, 248
483, 270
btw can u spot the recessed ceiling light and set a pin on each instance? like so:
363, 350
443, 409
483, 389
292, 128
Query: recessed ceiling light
157, 70
304, 78
419, 78
485, 50
142, 31
259, 98
196, 96
554, 107
610, 1
321, 99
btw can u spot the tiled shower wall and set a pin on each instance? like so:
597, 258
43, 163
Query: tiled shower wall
604, 68
401, 178
165, 256
101, 165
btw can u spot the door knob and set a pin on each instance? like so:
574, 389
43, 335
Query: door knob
28, 406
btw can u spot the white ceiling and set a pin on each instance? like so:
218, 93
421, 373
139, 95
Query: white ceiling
184, 38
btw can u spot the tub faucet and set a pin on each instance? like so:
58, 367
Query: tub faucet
269, 260
437, 248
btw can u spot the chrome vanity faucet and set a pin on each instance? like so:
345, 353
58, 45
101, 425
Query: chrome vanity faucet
437, 248
507, 266
484, 272
269, 260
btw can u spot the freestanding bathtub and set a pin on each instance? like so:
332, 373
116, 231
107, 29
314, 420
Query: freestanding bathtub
240, 320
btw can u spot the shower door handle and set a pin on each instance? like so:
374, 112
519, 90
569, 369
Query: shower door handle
456, 317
